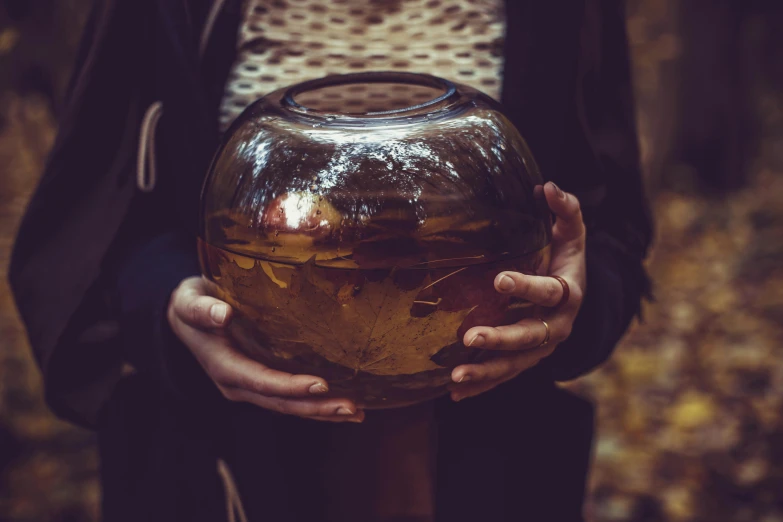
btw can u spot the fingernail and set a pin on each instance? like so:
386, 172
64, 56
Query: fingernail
560, 192
478, 340
505, 283
318, 388
358, 418
465, 378
218, 313
342, 410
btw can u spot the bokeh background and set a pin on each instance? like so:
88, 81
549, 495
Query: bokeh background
690, 416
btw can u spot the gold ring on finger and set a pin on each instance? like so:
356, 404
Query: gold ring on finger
546, 337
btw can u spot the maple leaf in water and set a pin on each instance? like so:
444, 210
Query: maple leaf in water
356, 319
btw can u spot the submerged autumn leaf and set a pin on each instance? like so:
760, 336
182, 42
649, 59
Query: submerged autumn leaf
361, 323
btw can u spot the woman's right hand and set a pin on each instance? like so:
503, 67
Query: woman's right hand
200, 322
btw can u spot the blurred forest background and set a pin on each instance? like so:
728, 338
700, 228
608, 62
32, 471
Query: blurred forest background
690, 407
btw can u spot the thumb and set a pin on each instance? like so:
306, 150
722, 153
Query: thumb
569, 224
193, 307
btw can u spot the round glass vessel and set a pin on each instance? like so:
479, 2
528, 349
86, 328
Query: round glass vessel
356, 224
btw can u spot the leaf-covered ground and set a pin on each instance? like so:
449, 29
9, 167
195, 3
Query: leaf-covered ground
690, 423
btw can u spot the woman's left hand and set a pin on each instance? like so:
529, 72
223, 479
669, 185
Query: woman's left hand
524, 341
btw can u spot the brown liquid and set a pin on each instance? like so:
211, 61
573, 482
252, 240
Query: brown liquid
383, 337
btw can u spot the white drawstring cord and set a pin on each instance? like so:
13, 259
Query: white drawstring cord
146, 174
233, 501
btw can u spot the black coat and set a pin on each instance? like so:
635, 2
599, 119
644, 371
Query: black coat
96, 260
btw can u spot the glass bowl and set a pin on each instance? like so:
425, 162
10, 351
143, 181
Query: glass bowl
356, 224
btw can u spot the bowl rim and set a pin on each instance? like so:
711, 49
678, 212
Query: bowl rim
427, 80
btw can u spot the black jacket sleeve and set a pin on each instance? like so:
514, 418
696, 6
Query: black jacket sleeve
618, 217
86, 245
57, 264
144, 284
